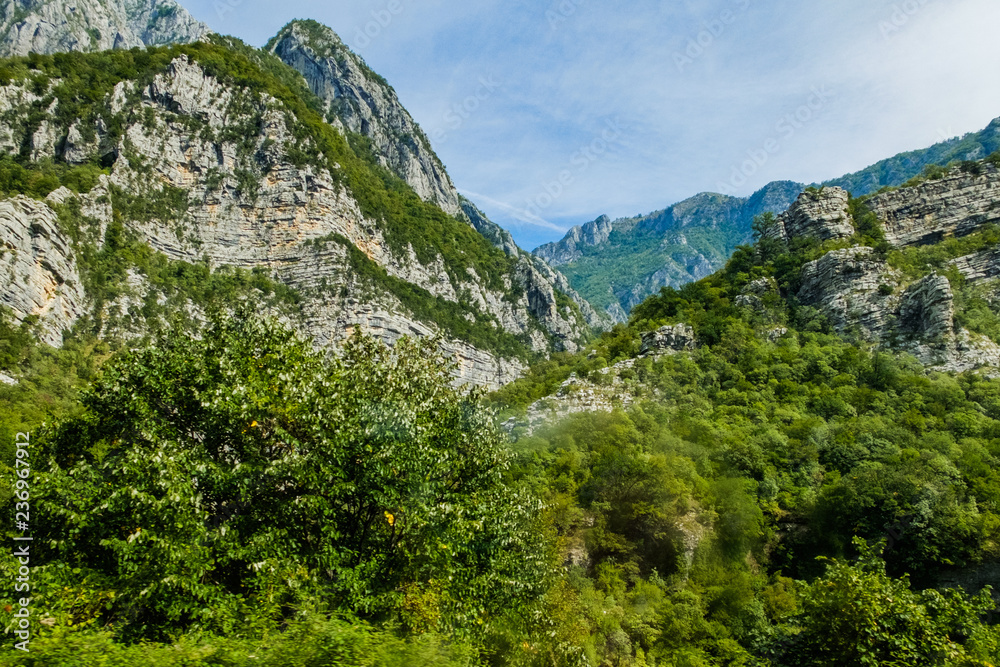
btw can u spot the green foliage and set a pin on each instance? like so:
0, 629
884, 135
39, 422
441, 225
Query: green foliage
485, 332
312, 641
38, 180
869, 228
918, 261
81, 84
219, 483
855, 616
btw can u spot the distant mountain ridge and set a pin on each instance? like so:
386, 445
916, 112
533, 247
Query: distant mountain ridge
53, 26
895, 171
616, 265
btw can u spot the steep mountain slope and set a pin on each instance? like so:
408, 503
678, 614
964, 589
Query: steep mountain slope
51, 26
617, 264
837, 383
360, 101
219, 182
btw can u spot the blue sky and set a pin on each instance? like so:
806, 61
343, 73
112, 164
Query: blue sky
550, 113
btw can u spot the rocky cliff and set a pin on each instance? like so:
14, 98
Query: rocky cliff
51, 26
572, 246
535, 274
902, 292
217, 168
362, 102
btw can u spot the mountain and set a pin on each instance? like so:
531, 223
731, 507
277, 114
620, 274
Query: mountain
52, 26
143, 188
616, 264
360, 101
616, 271
896, 170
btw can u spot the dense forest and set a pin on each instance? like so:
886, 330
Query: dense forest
781, 495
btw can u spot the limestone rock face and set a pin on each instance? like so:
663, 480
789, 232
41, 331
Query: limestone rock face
571, 246
821, 214
928, 308
536, 277
669, 340
208, 172
39, 271
979, 266
751, 295
362, 102
52, 26
844, 284
955, 205
858, 291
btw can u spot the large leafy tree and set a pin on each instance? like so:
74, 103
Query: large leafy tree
243, 473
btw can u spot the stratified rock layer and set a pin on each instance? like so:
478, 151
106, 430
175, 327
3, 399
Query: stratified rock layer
53, 26
955, 205
819, 214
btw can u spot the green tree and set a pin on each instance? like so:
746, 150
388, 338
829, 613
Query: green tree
242, 474
857, 616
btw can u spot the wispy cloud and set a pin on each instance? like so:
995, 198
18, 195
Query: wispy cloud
522, 216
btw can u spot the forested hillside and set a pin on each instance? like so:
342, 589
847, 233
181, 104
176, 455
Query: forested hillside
273, 394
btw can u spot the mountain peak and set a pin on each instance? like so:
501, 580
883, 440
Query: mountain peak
361, 102
52, 26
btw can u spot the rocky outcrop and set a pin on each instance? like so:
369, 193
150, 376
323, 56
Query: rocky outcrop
604, 391
820, 214
51, 26
955, 205
983, 265
669, 340
845, 284
752, 295
362, 102
535, 276
40, 276
861, 295
928, 308
571, 246
493, 232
